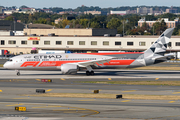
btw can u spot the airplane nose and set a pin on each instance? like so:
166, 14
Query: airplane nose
5, 65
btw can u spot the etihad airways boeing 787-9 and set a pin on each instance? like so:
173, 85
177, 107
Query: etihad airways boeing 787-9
72, 62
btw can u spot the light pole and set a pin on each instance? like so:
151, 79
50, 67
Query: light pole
67, 48
14, 27
123, 28
120, 48
17, 50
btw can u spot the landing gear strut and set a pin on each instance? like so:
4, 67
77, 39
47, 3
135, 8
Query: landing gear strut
18, 73
89, 73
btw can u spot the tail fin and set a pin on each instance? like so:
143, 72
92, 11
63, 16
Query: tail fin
155, 52
159, 47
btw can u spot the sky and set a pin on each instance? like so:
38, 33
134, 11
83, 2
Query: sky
76, 3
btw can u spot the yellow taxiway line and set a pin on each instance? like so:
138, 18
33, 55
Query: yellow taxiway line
15, 105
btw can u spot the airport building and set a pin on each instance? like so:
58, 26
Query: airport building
73, 40
169, 24
144, 10
24, 44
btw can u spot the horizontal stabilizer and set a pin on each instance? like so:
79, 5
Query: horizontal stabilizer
164, 57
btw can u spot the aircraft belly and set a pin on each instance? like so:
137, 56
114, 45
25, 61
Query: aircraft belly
111, 67
38, 68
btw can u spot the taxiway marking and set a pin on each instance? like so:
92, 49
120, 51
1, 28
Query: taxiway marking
109, 79
125, 101
49, 90
38, 79
171, 101
46, 106
20, 98
129, 91
87, 100
62, 79
176, 92
15, 105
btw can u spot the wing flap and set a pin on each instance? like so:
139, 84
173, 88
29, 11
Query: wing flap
93, 62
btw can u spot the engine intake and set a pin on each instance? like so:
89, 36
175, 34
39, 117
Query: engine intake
69, 68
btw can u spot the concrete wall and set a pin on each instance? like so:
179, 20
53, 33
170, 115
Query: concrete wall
101, 32
71, 32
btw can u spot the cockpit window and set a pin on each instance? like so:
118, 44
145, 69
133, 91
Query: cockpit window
10, 60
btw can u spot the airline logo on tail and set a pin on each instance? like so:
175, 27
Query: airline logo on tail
156, 51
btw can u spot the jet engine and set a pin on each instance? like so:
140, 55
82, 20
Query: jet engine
69, 68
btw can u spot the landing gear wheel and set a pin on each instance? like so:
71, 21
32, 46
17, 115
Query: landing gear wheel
18, 73
87, 73
92, 73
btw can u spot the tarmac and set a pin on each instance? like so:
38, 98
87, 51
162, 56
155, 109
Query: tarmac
19, 91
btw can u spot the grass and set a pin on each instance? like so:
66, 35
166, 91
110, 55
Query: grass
166, 83
108, 96
156, 68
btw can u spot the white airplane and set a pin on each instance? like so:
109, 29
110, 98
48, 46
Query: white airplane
70, 63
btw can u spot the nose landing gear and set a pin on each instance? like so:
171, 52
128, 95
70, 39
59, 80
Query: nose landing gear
17, 73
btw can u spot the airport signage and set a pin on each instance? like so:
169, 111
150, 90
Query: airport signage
33, 38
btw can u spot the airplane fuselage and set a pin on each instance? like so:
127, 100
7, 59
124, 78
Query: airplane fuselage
54, 61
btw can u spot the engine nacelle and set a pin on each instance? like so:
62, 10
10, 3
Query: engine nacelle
69, 68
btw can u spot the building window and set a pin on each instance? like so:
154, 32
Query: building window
24, 42
35, 42
105, 42
177, 43
152, 43
58, 43
117, 43
46, 42
169, 44
2, 42
69, 42
93, 42
11, 42
81, 42
142, 43
129, 43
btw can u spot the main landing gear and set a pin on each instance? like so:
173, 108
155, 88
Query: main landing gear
17, 73
89, 73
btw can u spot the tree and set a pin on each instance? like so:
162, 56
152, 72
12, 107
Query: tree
63, 23
159, 27
114, 23
10, 18
23, 6
170, 16
177, 30
84, 22
150, 18
41, 21
95, 24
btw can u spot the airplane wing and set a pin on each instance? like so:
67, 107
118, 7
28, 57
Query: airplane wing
93, 62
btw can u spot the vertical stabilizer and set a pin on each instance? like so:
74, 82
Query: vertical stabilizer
156, 51
159, 47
